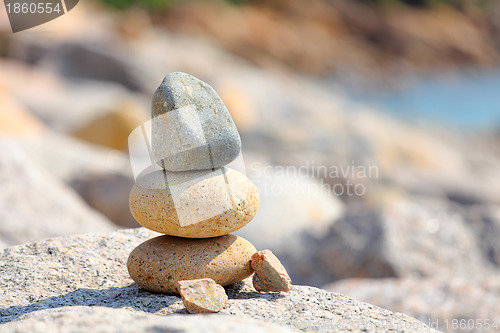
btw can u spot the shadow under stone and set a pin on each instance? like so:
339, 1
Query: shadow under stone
236, 291
131, 296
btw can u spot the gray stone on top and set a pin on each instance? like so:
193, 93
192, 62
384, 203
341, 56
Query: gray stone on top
80, 273
191, 127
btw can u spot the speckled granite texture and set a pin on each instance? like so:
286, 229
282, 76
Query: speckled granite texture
196, 204
158, 263
76, 276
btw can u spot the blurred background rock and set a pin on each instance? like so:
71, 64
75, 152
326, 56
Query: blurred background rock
407, 87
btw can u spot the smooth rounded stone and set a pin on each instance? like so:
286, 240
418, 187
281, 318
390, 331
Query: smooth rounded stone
194, 204
159, 263
191, 127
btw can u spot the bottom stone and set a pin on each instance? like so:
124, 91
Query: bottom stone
202, 296
159, 263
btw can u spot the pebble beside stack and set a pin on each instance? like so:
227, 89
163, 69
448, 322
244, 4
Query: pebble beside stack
195, 200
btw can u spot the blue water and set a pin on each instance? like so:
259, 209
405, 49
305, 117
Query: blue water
470, 100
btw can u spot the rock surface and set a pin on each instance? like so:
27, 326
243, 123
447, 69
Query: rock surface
435, 300
76, 272
300, 209
100, 176
159, 263
270, 275
15, 120
48, 95
191, 127
108, 193
457, 174
403, 239
112, 128
34, 205
485, 221
97, 319
202, 296
194, 204
71, 160
310, 209
361, 38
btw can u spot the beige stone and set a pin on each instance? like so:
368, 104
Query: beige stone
239, 103
15, 120
270, 275
194, 204
202, 295
112, 129
159, 263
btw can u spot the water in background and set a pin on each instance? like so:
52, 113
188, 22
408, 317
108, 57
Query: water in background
469, 100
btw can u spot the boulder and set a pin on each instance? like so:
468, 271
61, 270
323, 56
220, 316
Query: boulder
402, 239
406, 238
293, 210
105, 319
113, 127
80, 60
101, 176
470, 302
70, 159
83, 278
34, 205
484, 220
108, 194
15, 120
239, 104
66, 105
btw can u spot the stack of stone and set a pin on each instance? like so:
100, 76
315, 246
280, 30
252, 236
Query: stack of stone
194, 200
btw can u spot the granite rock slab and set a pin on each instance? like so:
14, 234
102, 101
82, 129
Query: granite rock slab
81, 273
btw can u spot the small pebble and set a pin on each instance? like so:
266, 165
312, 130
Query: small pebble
270, 275
202, 295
